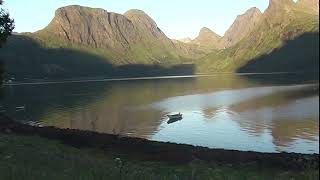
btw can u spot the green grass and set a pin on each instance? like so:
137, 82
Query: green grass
31, 157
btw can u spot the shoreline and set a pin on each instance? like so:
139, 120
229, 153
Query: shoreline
63, 81
146, 150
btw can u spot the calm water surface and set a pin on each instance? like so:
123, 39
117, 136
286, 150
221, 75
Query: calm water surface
265, 113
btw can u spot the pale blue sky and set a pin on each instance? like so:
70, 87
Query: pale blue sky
176, 18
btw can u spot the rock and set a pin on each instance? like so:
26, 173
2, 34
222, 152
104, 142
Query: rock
92, 27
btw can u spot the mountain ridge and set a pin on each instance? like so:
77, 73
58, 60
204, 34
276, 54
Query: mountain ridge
98, 28
241, 26
308, 5
281, 22
107, 40
207, 38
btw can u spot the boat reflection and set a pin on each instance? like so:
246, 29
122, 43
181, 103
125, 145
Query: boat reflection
173, 120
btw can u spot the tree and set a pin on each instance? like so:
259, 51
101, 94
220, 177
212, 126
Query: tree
6, 27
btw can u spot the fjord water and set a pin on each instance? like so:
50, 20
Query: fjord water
265, 113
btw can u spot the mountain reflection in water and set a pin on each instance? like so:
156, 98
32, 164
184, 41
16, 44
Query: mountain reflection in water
222, 111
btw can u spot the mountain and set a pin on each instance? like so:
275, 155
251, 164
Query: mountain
83, 41
91, 42
185, 40
312, 6
284, 26
241, 27
91, 27
133, 37
207, 38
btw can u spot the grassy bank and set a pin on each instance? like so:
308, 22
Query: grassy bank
33, 157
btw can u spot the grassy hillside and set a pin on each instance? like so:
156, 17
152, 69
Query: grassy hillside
138, 53
272, 32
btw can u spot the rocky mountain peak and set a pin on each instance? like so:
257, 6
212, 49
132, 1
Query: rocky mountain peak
206, 32
145, 24
242, 25
185, 40
279, 5
253, 10
98, 28
92, 27
135, 12
277, 10
280, 2
207, 38
309, 5
140, 17
76, 9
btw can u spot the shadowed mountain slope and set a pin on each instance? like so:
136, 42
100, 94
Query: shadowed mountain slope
26, 59
298, 55
282, 21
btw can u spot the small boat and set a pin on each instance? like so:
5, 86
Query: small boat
174, 120
175, 116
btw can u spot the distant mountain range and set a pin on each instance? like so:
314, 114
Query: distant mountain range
243, 24
89, 42
285, 37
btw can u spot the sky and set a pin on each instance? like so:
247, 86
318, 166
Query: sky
176, 18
